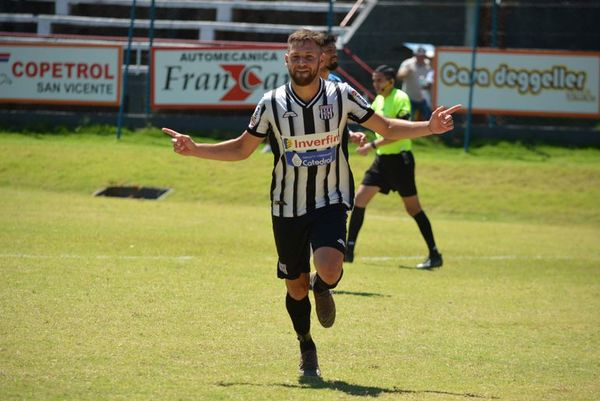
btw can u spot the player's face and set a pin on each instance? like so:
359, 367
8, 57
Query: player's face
420, 58
330, 56
381, 84
303, 61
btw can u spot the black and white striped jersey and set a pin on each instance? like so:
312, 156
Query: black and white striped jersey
310, 145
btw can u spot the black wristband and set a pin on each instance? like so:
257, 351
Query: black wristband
373, 145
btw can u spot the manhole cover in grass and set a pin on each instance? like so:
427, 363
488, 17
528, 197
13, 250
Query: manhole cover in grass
133, 192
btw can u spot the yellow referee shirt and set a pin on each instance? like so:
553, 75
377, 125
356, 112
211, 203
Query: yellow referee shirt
395, 105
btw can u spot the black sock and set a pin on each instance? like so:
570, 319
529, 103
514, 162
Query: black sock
356, 221
306, 343
320, 285
299, 312
426, 231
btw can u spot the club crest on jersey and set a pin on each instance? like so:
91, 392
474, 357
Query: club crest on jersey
326, 111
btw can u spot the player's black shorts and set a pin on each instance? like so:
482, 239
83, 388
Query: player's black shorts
294, 236
393, 173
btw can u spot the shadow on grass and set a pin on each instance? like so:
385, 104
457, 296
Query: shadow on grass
416, 268
413, 267
360, 294
354, 389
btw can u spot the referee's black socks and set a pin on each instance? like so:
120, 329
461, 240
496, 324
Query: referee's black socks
426, 231
356, 221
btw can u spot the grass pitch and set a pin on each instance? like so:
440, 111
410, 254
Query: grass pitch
177, 299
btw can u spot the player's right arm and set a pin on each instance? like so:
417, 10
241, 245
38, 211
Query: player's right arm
235, 149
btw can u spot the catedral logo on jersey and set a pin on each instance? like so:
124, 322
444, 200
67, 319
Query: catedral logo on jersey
311, 150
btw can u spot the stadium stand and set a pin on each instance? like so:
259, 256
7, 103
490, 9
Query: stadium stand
265, 21
174, 23
371, 32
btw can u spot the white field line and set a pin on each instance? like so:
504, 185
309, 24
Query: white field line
467, 257
99, 257
362, 258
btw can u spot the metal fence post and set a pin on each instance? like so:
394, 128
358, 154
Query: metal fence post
125, 73
472, 83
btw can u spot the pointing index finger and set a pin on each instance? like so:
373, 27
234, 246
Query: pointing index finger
452, 109
171, 133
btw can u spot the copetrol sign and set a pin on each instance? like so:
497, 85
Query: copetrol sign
48, 73
224, 78
520, 82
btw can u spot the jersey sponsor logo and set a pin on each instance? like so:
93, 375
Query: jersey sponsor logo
312, 149
255, 116
311, 159
326, 112
289, 114
359, 99
318, 141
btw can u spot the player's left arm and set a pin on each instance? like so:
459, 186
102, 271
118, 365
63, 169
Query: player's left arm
391, 128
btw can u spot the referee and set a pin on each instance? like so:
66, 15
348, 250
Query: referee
312, 187
392, 170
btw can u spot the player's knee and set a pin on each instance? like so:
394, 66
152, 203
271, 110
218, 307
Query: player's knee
298, 289
413, 210
331, 275
298, 293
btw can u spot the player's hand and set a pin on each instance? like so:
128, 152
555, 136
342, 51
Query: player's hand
364, 149
182, 144
358, 138
441, 119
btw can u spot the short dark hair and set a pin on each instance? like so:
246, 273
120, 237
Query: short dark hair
328, 39
387, 71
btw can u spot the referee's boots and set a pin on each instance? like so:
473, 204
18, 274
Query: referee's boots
434, 260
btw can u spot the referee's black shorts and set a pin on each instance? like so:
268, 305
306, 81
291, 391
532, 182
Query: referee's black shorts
294, 237
393, 173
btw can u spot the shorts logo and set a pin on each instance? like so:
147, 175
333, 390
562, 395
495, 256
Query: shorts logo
282, 267
326, 111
